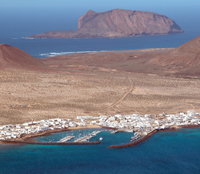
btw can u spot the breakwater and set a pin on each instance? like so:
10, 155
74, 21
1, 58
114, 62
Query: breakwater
144, 138
50, 143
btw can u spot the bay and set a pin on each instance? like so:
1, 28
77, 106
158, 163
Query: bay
41, 48
164, 152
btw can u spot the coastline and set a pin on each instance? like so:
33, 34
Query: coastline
29, 137
50, 143
144, 138
143, 128
134, 143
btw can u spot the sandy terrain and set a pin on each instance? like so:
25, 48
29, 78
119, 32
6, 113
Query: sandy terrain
94, 84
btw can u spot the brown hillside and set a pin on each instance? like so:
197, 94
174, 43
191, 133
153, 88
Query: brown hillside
182, 60
12, 57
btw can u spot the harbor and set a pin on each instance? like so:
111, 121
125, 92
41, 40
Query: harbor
140, 127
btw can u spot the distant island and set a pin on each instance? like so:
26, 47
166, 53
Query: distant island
117, 23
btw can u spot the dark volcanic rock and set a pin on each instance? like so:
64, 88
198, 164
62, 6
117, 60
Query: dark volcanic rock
117, 23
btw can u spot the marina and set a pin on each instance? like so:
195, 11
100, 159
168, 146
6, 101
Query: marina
84, 139
66, 139
53, 143
141, 126
161, 145
87, 137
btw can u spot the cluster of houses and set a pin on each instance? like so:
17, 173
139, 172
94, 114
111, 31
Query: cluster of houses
16, 131
143, 124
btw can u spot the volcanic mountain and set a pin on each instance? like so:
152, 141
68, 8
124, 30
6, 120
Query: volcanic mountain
117, 23
14, 58
182, 60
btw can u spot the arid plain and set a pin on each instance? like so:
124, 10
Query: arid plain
103, 83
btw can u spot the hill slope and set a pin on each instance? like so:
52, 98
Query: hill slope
182, 60
12, 57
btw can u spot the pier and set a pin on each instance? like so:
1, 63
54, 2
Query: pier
87, 137
84, 139
66, 139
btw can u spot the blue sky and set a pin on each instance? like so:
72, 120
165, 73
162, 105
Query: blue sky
64, 14
96, 3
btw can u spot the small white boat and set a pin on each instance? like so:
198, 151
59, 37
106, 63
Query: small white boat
128, 130
113, 131
100, 138
94, 133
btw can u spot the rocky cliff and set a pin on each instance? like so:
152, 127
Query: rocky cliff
117, 23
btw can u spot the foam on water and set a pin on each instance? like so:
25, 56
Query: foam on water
41, 48
52, 54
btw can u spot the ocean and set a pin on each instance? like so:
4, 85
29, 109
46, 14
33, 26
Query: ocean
164, 153
41, 48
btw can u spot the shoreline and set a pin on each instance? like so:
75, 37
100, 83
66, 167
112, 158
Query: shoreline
144, 138
142, 126
50, 143
28, 139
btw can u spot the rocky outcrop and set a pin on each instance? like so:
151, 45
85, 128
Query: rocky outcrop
14, 58
117, 23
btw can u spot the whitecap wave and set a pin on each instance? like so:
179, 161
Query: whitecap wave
27, 38
52, 54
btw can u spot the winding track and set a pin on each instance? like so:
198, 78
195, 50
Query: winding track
125, 94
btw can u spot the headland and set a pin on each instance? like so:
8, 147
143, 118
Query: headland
117, 23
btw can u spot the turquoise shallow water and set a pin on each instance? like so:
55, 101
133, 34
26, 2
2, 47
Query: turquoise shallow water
164, 152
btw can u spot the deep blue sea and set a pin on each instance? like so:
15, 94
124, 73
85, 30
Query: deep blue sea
41, 48
164, 153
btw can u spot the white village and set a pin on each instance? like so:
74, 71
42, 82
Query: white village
140, 125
